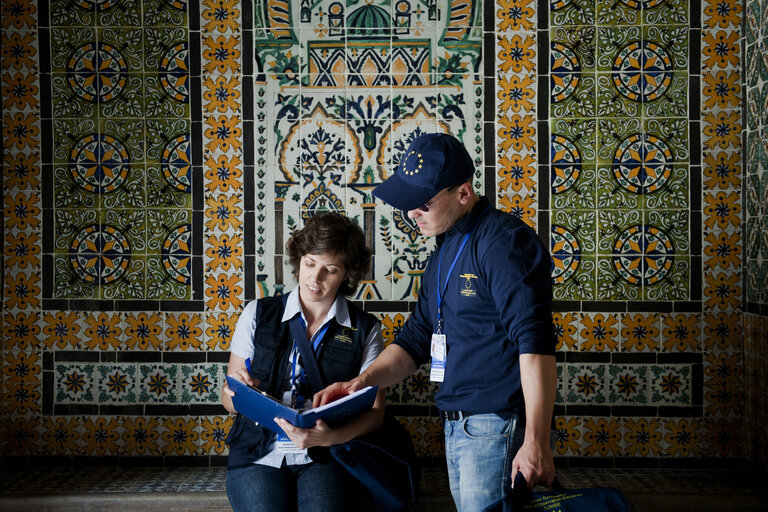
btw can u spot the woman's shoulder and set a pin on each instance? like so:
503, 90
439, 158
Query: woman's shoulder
358, 315
263, 306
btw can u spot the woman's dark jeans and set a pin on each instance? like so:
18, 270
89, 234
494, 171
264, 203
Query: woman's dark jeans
312, 487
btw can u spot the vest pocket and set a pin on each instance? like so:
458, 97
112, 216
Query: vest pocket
339, 362
341, 352
265, 348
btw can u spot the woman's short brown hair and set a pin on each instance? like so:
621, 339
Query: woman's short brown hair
332, 233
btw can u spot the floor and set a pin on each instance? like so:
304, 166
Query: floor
199, 489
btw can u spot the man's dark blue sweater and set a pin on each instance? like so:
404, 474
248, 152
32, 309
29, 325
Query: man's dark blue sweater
497, 305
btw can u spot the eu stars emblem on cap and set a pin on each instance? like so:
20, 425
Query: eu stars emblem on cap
412, 163
433, 162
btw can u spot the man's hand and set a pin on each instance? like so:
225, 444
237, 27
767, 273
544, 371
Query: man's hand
393, 365
335, 391
536, 463
320, 434
538, 374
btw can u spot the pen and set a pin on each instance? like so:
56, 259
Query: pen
248, 364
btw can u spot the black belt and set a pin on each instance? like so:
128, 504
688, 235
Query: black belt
454, 415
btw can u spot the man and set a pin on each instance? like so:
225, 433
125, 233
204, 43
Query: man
483, 320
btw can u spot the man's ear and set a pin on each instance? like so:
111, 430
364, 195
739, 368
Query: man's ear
465, 192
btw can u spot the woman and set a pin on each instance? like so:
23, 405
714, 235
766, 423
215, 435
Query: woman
329, 257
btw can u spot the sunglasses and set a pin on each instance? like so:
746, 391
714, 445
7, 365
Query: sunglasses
425, 206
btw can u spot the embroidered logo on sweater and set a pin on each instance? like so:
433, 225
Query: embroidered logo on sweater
343, 336
468, 291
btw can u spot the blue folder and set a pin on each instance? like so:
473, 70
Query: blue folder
263, 409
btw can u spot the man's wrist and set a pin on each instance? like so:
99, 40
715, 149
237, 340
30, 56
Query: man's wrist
361, 380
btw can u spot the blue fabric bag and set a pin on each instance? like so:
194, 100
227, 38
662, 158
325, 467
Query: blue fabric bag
593, 499
385, 464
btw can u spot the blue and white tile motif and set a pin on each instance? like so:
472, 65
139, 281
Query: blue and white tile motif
348, 85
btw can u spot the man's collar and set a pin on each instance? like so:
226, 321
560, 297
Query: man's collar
465, 223
339, 309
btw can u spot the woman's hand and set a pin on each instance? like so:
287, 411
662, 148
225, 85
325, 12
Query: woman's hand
236, 369
243, 376
320, 434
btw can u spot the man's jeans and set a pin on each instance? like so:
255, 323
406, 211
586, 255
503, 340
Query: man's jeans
313, 487
479, 450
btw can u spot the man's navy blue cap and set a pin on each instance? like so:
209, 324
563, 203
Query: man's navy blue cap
432, 162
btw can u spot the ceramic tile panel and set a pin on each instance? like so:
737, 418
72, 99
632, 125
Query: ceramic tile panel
634, 155
365, 86
158, 155
127, 146
754, 240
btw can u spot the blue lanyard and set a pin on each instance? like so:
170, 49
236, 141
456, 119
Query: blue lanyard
441, 295
315, 344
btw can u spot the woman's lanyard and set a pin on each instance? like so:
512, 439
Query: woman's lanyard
296, 397
441, 295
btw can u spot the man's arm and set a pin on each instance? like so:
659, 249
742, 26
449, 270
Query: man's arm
393, 365
538, 374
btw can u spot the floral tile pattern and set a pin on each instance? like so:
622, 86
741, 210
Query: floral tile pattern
157, 155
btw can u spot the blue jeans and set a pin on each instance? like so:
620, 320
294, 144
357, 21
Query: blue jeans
305, 487
479, 450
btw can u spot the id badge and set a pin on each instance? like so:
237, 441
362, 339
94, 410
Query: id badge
286, 446
438, 350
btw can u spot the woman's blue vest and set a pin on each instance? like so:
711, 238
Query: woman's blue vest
339, 360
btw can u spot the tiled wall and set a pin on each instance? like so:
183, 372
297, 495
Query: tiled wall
755, 192
158, 154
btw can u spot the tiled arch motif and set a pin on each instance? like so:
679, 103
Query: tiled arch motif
358, 81
233, 198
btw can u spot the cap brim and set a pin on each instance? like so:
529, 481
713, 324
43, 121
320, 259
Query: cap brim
401, 195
